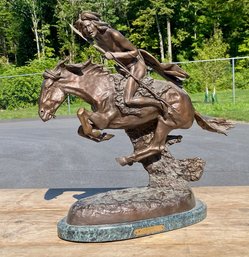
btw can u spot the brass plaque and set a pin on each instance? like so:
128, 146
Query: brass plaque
149, 230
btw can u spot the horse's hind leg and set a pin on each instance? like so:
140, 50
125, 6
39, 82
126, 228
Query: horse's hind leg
86, 129
156, 146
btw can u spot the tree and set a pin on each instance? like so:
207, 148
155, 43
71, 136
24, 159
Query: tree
209, 74
9, 32
29, 17
149, 23
164, 10
235, 20
188, 23
168, 29
35, 12
5, 17
29, 10
66, 13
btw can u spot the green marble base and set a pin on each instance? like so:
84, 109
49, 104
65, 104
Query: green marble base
129, 230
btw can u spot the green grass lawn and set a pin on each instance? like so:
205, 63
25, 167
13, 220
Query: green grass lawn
224, 108
32, 112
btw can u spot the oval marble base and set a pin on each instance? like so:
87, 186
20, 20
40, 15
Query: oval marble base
129, 230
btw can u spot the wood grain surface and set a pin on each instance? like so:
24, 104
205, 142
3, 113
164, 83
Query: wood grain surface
28, 227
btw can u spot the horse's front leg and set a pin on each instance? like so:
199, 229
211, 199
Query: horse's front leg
86, 129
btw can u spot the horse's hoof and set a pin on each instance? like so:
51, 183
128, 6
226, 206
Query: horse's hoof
121, 161
107, 136
80, 131
124, 161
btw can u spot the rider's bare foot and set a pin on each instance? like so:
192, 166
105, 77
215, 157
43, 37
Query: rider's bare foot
153, 150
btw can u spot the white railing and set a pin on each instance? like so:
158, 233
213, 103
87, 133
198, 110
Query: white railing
232, 59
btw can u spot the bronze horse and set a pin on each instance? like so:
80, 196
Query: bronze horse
92, 83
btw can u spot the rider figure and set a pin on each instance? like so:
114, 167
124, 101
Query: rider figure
116, 46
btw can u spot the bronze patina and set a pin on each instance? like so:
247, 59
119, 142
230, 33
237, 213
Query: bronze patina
147, 110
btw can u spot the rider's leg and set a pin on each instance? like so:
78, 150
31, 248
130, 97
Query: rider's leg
156, 146
131, 88
162, 130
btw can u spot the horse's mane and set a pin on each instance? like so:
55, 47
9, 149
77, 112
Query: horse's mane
87, 67
79, 69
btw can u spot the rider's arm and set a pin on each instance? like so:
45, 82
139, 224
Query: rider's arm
127, 49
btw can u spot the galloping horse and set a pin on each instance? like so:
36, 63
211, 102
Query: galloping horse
92, 83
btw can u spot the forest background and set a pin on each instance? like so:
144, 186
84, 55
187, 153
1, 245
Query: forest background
35, 34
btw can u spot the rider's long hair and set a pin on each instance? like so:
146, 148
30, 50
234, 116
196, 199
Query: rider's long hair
94, 18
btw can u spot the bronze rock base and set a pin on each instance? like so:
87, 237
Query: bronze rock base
129, 230
130, 204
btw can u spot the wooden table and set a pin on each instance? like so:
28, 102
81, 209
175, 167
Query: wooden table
28, 228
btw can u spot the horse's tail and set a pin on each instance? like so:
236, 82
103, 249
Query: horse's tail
213, 125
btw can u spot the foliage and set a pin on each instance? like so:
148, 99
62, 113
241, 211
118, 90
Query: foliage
192, 22
19, 92
66, 14
242, 78
148, 23
200, 29
210, 74
225, 108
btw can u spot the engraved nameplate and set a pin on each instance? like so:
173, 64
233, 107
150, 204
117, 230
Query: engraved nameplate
149, 230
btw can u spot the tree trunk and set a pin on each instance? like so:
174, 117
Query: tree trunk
160, 39
15, 52
5, 50
72, 50
43, 44
195, 33
169, 41
35, 22
35, 28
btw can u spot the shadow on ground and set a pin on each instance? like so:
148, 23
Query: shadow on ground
53, 193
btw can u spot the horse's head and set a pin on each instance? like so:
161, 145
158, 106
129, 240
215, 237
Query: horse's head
64, 79
52, 94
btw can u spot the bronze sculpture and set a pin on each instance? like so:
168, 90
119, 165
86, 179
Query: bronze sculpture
147, 110
100, 89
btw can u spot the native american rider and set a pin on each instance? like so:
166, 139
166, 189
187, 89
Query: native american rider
117, 47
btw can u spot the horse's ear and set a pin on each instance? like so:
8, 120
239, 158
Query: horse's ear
85, 64
78, 68
61, 63
51, 74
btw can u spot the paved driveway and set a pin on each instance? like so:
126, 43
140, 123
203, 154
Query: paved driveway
52, 155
